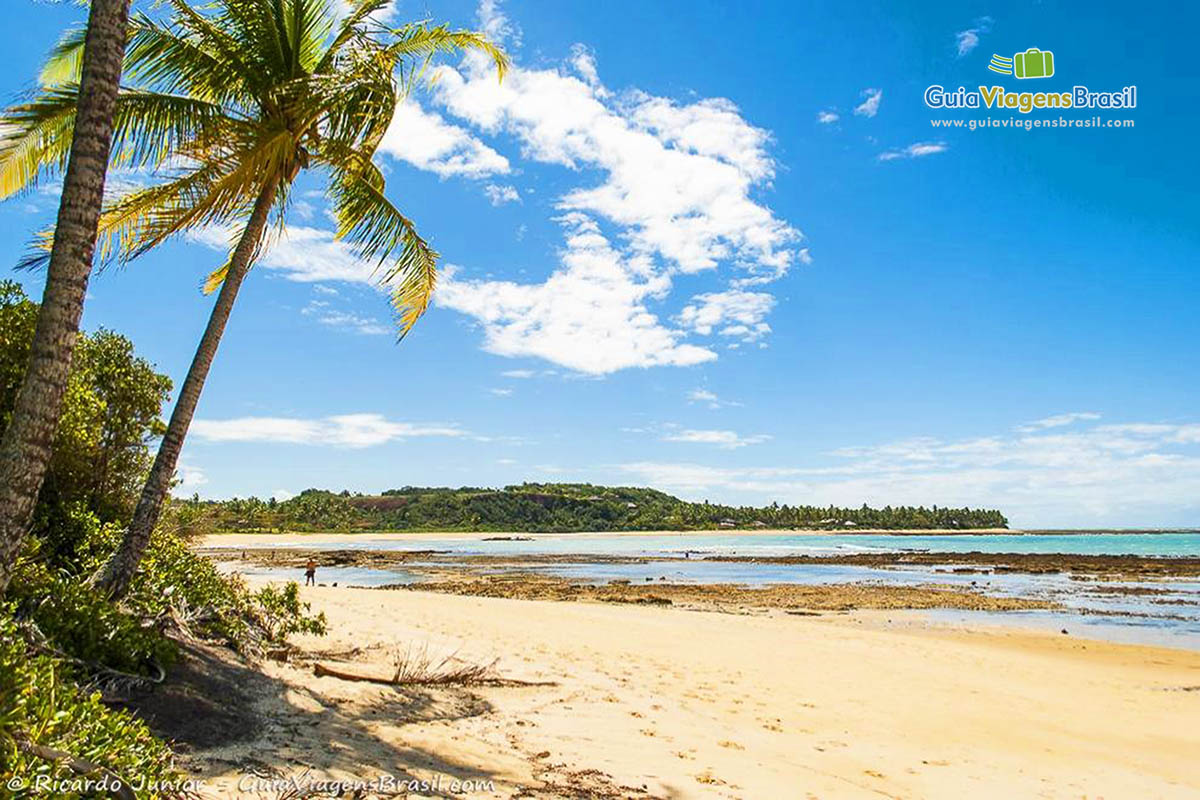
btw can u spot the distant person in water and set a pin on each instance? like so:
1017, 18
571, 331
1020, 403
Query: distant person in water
310, 573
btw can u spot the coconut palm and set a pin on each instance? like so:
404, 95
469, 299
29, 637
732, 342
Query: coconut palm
84, 149
230, 101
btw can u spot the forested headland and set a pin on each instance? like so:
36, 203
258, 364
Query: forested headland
550, 507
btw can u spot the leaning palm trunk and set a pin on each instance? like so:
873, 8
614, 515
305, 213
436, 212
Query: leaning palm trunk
118, 573
25, 450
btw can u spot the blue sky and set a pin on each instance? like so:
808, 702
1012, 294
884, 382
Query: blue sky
720, 249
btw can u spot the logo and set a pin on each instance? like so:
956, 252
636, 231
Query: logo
1033, 63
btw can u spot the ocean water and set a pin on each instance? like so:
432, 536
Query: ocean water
1090, 608
1173, 544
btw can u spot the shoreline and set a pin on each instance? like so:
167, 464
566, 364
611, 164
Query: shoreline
651, 702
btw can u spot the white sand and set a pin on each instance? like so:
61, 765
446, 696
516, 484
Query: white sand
697, 704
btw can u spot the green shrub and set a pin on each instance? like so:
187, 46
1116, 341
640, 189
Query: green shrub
85, 625
280, 613
40, 706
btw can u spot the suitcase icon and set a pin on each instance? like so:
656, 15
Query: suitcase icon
1033, 63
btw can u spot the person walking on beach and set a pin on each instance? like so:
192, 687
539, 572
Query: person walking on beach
310, 573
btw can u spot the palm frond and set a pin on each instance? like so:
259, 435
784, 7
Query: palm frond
191, 59
376, 230
419, 43
65, 62
148, 128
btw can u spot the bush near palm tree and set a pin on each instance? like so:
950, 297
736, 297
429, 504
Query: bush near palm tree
83, 147
231, 100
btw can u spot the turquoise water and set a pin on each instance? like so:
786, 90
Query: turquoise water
1171, 619
777, 544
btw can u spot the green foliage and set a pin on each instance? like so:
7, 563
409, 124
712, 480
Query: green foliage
281, 613
40, 705
110, 414
86, 626
552, 507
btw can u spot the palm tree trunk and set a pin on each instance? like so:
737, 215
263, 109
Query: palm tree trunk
117, 574
25, 449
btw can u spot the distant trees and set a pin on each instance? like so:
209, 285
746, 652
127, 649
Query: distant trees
533, 507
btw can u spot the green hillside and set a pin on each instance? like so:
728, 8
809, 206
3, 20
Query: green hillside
548, 507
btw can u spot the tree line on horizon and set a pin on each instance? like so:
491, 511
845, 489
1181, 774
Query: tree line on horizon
549, 508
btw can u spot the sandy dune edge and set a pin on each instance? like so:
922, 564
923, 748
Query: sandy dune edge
699, 704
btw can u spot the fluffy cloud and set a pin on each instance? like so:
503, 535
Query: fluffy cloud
674, 180
733, 313
301, 253
346, 430
916, 150
827, 117
590, 315
499, 194
428, 142
1127, 474
869, 107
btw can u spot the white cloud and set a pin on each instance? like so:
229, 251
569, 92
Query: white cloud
346, 430
827, 117
302, 253
345, 320
590, 316
518, 373
499, 28
283, 494
584, 62
1126, 474
916, 150
869, 107
967, 40
733, 313
1057, 421
726, 440
190, 477
501, 392
709, 398
499, 194
675, 180
429, 142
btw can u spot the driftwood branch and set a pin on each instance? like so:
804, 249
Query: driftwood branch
322, 670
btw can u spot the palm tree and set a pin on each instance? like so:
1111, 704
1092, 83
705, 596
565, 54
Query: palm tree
84, 146
231, 101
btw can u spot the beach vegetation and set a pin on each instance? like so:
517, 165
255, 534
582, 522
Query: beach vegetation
553, 507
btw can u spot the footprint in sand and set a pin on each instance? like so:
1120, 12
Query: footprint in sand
730, 745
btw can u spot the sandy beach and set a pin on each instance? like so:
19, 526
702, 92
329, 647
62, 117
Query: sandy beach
665, 702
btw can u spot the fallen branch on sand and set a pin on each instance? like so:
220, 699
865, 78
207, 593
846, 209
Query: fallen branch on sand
419, 669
